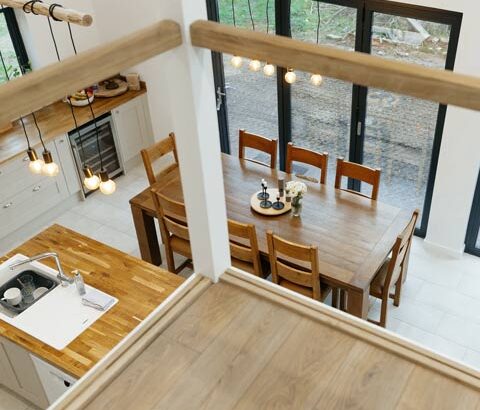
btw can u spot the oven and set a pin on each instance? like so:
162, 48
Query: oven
85, 151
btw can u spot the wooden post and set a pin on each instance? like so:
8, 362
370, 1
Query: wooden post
68, 15
192, 100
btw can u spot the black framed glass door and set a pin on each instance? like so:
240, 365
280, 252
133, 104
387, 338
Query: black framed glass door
401, 135
472, 241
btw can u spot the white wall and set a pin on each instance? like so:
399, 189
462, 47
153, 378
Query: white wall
460, 152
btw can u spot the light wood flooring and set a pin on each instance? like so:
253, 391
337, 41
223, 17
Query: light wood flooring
232, 349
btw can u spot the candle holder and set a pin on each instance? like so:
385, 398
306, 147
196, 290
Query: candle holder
278, 205
263, 195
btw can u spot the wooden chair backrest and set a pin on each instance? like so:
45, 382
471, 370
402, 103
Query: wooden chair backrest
306, 156
399, 252
359, 172
172, 217
260, 143
244, 244
156, 151
283, 255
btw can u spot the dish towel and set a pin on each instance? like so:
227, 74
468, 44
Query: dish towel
97, 300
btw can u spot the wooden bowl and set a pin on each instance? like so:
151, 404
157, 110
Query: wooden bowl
255, 204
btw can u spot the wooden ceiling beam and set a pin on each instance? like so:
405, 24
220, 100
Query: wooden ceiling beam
63, 14
441, 86
41, 87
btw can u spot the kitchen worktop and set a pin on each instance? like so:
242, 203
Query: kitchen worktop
139, 286
54, 120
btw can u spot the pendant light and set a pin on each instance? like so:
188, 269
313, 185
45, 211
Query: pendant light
49, 167
316, 79
290, 76
236, 61
268, 69
35, 164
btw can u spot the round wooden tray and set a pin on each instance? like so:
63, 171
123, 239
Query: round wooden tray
104, 93
255, 204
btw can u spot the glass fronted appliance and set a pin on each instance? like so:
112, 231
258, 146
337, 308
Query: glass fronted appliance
85, 150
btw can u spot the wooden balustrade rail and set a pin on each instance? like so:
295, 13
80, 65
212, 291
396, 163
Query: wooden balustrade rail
436, 85
61, 13
46, 85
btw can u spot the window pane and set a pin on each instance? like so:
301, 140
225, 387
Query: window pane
321, 114
8, 52
251, 96
399, 129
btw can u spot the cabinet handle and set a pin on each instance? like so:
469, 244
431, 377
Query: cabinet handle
7, 205
36, 189
25, 159
61, 141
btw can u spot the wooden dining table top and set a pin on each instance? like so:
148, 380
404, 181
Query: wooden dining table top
354, 234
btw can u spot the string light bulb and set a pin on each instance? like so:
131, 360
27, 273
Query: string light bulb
236, 61
35, 165
107, 186
254, 65
91, 181
316, 79
269, 69
49, 168
290, 76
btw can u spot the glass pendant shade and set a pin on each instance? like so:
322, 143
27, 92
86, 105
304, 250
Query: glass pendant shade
269, 69
49, 167
35, 165
316, 79
107, 186
91, 180
236, 61
290, 76
254, 65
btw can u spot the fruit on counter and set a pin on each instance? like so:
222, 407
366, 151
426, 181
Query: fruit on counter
81, 95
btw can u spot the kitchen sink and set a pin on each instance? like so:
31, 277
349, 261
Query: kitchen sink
59, 316
39, 281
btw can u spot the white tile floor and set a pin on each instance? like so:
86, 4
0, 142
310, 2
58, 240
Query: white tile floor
440, 306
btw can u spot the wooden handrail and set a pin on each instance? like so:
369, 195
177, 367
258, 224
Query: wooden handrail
46, 85
436, 85
64, 14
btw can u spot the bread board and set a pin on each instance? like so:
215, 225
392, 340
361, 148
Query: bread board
103, 92
255, 204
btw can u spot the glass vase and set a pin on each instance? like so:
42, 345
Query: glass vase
296, 206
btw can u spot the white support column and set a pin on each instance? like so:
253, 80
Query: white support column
192, 99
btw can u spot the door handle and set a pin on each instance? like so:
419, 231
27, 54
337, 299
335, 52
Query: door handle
7, 205
220, 94
36, 189
359, 128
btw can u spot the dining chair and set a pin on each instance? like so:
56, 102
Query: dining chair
391, 273
295, 267
156, 151
359, 172
172, 219
306, 156
260, 143
244, 248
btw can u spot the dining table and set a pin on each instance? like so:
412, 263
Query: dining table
353, 233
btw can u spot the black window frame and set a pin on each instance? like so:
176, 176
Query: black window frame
365, 10
473, 229
16, 37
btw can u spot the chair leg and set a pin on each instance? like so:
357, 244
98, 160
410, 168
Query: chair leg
343, 300
383, 312
398, 290
335, 298
170, 259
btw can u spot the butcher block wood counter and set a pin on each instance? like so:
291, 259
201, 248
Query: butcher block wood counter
139, 286
54, 120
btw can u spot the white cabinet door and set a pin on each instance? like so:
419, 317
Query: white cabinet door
67, 164
26, 374
132, 128
7, 376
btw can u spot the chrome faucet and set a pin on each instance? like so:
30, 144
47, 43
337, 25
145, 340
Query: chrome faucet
64, 279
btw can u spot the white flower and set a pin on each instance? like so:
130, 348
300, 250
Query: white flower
296, 188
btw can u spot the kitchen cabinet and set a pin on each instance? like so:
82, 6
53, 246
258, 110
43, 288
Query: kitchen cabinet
25, 196
7, 376
133, 127
24, 380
